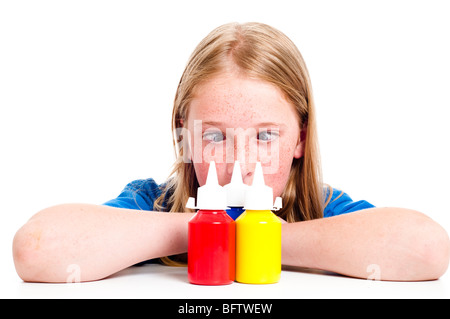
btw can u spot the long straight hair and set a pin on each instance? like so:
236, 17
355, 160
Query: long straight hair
261, 52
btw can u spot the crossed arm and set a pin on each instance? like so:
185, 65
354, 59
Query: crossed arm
403, 244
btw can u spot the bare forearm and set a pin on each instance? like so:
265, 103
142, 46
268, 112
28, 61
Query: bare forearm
99, 240
389, 243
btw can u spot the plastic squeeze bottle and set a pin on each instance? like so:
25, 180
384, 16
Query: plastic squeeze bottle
211, 236
258, 235
236, 190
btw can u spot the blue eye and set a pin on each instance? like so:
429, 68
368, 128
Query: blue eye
215, 137
267, 136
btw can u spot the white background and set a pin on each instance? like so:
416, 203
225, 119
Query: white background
86, 92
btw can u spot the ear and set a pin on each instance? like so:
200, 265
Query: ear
300, 147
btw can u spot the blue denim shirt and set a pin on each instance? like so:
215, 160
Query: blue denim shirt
141, 194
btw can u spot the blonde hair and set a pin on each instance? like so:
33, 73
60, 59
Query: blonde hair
262, 52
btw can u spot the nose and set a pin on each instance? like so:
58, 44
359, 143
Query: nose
242, 151
247, 171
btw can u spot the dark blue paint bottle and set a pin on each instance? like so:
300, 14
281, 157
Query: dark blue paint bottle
235, 212
236, 190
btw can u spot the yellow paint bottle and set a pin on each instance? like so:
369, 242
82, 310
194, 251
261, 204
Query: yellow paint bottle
258, 235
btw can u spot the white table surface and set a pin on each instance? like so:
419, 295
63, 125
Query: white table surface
157, 281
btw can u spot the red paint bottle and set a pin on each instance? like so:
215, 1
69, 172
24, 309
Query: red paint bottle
211, 236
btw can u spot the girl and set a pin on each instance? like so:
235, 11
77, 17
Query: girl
245, 95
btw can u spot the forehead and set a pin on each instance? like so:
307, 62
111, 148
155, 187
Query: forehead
240, 101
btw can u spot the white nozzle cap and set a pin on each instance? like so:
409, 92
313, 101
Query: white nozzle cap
260, 196
236, 189
278, 204
211, 195
191, 203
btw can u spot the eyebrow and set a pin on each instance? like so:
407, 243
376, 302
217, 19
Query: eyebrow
262, 124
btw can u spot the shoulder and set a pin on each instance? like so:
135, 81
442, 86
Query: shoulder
338, 202
138, 194
147, 187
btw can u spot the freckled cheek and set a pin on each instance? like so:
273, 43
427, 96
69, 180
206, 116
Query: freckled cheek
277, 174
278, 180
214, 152
201, 171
